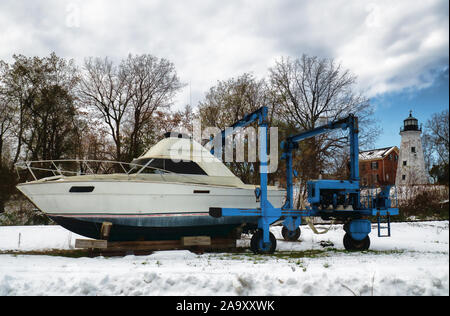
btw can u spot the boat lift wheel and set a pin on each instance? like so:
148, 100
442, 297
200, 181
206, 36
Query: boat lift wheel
257, 244
351, 244
290, 235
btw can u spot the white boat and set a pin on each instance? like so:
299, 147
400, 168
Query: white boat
156, 198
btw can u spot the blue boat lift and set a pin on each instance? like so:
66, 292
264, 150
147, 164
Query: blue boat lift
337, 199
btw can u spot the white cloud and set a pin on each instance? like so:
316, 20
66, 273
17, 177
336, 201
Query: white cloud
401, 45
389, 45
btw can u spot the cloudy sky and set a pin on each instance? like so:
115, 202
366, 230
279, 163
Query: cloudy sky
398, 49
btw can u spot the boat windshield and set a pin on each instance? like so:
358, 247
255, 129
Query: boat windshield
158, 166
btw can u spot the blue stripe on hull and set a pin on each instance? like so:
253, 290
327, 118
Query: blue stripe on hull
154, 228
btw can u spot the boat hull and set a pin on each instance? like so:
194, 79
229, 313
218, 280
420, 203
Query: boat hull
126, 230
141, 210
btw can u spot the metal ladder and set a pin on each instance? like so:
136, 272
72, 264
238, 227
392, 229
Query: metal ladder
384, 220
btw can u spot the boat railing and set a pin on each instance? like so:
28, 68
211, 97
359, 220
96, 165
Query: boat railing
369, 194
56, 168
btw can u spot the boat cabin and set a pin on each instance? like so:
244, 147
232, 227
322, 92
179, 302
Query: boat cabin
181, 155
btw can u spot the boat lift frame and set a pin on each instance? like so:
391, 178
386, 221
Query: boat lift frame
323, 195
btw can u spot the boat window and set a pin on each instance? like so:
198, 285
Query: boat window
201, 192
161, 165
81, 189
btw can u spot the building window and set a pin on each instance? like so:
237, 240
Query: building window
405, 163
403, 177
395, 157
374, 165
413, 149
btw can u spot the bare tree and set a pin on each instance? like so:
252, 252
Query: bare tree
229, 100
105, 88
226, 103
125, 97
153, 83
7, 112
310, 91
436, 146
437, 131
20, 82
37, 112
166, 122
41, 93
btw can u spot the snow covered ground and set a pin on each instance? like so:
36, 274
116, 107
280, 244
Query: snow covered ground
414, 261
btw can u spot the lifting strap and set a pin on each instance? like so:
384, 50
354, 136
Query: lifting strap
314, 229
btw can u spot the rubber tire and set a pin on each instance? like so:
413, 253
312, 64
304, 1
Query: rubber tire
256, 241
351, 244
288, 236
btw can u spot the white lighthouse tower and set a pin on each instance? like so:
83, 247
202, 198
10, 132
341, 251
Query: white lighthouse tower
411, 164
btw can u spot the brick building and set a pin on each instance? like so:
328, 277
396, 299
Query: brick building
378, 166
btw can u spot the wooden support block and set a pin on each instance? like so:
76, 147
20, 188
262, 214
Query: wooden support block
223, 243
105, 230
196, 241
197, 244
89, 243
144, 245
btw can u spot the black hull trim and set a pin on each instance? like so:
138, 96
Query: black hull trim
91, 229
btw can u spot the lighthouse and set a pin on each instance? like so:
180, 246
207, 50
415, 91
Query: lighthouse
411, 164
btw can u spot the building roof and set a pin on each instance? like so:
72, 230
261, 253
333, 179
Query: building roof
376, 154
410, 117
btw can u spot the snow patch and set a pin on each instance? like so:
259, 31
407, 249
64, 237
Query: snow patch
414, 261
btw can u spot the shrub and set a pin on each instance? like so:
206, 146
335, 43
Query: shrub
20, 212
429, 203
